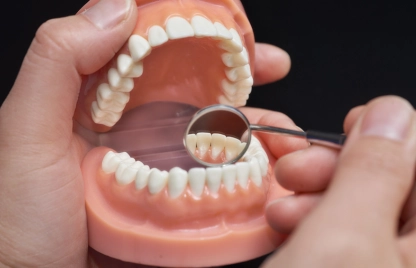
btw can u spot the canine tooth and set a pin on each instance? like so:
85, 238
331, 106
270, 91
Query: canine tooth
229, 174
203, 141
234, 45
255, 172
197, 177
112, 160
203, 27
157, 180
128, 174
106, 118
136, 70
232, 148
178, 178
217, 144
214, 179
235, 59
178, 27
139, 47
222, 32
243, 170
238, 73
191, 142
110, 100
157, 36
119, 83
142, 177
124, 64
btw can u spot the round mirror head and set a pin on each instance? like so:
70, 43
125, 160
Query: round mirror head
217, 135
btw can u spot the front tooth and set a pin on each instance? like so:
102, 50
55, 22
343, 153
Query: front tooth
228, 176
238, 73
178, 178
243, 171
178, 27
107, 118
124, 64
142, 177
139, 47
191, 142
112, 160
222, 32
203, 27
119, 83
157, 180
136, 70
197, 177
214, 179
203, 141
235, 59
232, 148
255, 172
234, 45
126, 171
157, 36
217, 144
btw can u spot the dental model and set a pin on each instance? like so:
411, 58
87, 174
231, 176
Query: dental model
147, 201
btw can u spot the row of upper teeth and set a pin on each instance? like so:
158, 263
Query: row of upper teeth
113, 96
200, 180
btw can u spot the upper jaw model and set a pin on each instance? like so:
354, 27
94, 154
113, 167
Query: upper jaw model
147, 201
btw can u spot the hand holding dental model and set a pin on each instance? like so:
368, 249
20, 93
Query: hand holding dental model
42, 201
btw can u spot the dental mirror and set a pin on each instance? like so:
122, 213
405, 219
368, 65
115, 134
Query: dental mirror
219, 135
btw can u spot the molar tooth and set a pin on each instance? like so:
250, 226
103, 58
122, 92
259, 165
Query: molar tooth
110, 100
136, 70
255, 172
203, 141
107, 118
217, 144
238, 73
232, 148
224, 100
222, 32
119, 83
191, 142
157, 180
112, 160
124, 64
243, 171
178, 178
263, 164
142, 177
139, 47
197, 177
203, 27
241, 101
128, 171
229, 174
214, 179
235, 59
178, 27
157, 36
234, 45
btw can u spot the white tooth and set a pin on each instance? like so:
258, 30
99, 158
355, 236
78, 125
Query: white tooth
243, 171
238, 73
197, 177
112, 160
235, 59
255, 172
191, 142
178, 178
139, 47
127, 174
263, 164
157, 180
203, 141
119, 83
136, 70
122, 166
229, 174
241, 87
106, 118
110, 100
234, 45
142, 177
203, 27
214, 179
232, 148
224, 100
124, 64
240, 102
157, 36
178, 27
222, 32
217, 144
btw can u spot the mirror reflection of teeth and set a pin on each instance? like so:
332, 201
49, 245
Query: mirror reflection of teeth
127, 170
236, 87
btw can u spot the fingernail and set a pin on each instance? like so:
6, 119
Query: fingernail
389, 118
108, 13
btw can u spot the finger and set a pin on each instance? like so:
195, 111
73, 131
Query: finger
407, 242
284, 214
271, 64
352, 117
47, 86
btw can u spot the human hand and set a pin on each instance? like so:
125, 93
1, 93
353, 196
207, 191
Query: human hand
366, 217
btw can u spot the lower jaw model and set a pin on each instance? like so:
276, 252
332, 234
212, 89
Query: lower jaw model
147, 201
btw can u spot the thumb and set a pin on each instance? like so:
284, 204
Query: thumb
45, 92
